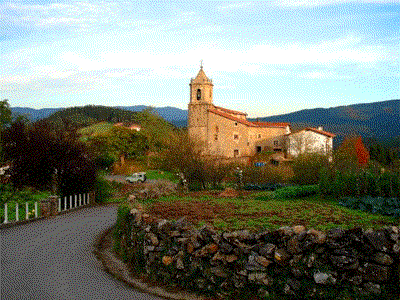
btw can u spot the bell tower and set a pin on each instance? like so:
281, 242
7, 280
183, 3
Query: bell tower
201, 99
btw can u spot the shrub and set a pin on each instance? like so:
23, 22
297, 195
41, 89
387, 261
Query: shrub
293, 192
103, 190
265, 175
307, 168
359, 183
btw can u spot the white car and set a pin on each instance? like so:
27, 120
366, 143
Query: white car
135, 177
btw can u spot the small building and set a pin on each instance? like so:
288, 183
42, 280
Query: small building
309, 140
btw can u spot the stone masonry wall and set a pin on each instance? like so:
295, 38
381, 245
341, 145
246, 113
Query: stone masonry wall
288, 263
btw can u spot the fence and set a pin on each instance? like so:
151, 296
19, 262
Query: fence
49, 207
72, 201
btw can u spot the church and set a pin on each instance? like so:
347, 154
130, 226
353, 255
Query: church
227, 133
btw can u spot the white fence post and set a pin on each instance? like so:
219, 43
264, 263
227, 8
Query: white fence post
16, 212
76, 196
59, 204
70, 201
5, 213
80, 199
26, 210
36, 211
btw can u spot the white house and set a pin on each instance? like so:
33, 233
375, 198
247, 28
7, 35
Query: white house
309, 140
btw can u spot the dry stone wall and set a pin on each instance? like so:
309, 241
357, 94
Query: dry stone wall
289, 263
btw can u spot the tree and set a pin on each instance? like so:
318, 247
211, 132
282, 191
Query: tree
39, 151
5, 121
157, 130
120, 143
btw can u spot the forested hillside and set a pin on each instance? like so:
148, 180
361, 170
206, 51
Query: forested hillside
378, 120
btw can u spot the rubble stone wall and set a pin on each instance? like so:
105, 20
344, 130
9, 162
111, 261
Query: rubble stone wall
288, 263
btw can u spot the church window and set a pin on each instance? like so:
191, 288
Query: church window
198, 94
216, 137
236, 123
235, 136
236, 153
259, 136
258, 149
216, 129
276, 143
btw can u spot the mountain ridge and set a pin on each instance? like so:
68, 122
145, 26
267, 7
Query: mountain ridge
380, 119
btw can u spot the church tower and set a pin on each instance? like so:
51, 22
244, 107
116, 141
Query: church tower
201, 98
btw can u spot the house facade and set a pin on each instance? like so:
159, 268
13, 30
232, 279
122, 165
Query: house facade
309, 140
227, 133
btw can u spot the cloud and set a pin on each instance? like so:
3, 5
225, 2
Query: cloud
233, 6
315, 3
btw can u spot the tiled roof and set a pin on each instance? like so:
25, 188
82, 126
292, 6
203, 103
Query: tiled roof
271, 124
321, 132
228, 116
230, 111
314, 130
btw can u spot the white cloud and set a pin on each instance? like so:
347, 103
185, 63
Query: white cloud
313, 3
234, 6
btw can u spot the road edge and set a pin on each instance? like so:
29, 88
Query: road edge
114, 266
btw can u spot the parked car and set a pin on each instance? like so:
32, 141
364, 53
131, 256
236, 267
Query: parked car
135, 177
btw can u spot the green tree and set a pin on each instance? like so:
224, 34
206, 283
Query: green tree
156, 129
5, 120
119, 143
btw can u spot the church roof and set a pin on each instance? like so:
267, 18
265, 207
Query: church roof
230, 111
201, 77
233, 118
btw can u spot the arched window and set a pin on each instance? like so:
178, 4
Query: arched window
198, 94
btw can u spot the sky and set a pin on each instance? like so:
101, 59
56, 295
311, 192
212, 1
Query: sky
264, 57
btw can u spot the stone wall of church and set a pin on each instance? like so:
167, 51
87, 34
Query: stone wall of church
225, 136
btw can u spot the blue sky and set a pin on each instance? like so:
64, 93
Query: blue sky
265, 57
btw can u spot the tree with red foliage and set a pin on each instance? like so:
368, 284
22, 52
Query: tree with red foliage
352, 150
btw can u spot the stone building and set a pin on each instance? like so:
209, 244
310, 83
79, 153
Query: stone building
227, 133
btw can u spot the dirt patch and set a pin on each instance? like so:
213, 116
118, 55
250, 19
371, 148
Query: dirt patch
195, 210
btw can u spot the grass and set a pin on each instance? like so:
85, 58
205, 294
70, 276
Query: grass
22, 212
157, 174
255, 213
98, 128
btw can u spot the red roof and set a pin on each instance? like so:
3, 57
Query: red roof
321, 132
230, 111
228, 116
271, 124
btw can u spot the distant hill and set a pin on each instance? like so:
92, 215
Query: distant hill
175, 116
379, 120
82, 116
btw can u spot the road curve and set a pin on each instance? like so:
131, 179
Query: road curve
53, 259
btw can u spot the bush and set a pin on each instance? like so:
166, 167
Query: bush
260, 176
103, 190
307, 168
264, 187
359, 183
293, 192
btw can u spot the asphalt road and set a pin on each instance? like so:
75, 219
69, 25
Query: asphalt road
53, 259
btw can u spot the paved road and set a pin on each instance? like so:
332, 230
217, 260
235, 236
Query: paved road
52, 259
